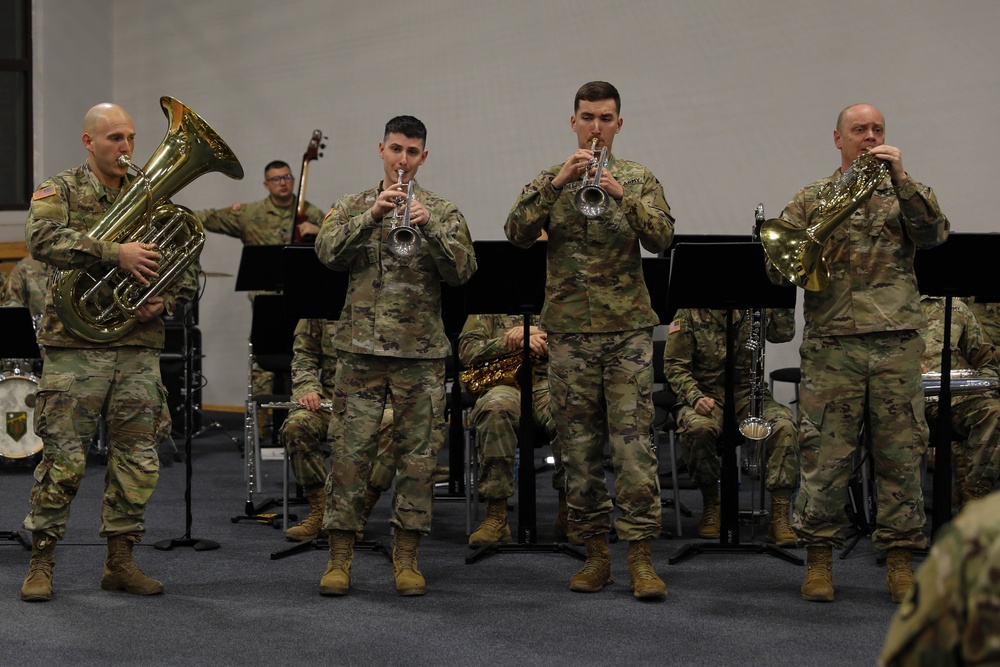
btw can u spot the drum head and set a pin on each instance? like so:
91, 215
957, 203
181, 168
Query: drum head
17, 400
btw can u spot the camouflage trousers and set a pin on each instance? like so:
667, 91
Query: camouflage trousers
303, 433
699, 435
842, 377
975, 420
496, 418
78, 387
364, 384
601, 387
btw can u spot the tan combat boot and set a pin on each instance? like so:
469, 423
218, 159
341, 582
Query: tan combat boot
898, 573
643, 581
708, 527
494, 528
409, 580
121, 572
37, 585
779, 531
818, 584
312, 526
371, 497
596, 571
337, 578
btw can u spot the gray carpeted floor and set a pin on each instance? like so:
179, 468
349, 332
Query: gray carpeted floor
237, 606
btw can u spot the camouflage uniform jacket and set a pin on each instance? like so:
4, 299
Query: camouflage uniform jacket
393, 304
950, 616
872, 285
314, 359
970, 348
594, 276
694, 357
988, 315
257, 223
482, 339
62, 210
27, 286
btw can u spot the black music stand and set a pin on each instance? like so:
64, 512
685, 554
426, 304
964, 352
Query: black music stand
18, 343
260, 269
186, 540
961, 267
694, 285
511, 280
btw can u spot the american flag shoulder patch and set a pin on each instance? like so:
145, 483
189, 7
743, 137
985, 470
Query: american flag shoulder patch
674, 327
43, 193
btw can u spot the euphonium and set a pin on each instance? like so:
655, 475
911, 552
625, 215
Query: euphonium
403, 240
591, 199
797, 253
98, 304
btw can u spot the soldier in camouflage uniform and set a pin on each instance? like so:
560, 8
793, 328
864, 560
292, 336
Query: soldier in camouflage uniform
600, 331
988, 315
27, 286
84, 381
975, 416
270, 221
497, 414
951, 615
392, 346
314, 369
860, 353
694, 362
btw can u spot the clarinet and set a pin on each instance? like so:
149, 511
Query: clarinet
755, 427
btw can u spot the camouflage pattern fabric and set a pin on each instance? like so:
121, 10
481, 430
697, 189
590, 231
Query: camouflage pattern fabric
56, 234
27, 286
497, 412
974, 417
257, 223
601, 389
694, 362
393, 305
951, 616
988, 316
594, 282
364, 383
78, 387
837, 373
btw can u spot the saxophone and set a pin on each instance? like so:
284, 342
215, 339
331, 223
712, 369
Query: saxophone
755, 427
485, 375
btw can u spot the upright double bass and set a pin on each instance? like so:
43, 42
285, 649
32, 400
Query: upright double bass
312, 153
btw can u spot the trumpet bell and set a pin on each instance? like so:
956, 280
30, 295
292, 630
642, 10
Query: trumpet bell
795, 254
591, 201
403, 241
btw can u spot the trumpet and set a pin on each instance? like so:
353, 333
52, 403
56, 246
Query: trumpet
591, 199
403, 240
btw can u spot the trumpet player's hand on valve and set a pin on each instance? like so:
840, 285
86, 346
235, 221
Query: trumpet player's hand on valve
892, 157
610, 185
574, 168
386, 201
139, 259
704, 405
153, 307
310, 401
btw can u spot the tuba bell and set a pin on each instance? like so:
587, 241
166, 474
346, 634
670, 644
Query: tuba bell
98, 304
797, 253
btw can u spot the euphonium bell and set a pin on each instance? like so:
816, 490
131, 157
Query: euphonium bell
797, 253
98, 304
591, 199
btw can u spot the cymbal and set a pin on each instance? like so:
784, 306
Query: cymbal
216, 274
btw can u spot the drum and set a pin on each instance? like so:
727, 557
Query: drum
17, 401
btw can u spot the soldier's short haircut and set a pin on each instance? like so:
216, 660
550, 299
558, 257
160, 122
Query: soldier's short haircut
596, 91
276, 164
408, 126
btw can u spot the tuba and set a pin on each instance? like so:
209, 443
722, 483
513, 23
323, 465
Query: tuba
797, 253
98, 304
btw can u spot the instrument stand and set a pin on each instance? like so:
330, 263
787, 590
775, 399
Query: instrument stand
963, 266
186, 540
691, 287
18, 343
496, 289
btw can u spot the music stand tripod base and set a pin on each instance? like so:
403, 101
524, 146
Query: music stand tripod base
523, 548
196, 544
321, 544
692, 550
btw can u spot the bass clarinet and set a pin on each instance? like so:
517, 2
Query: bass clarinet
755, 427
